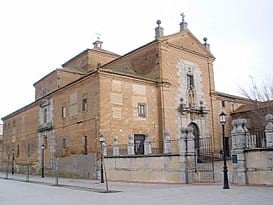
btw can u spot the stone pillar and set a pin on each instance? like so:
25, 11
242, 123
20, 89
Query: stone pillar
183, 154
147, 145
115, 146
104, 149
158, 30
167, 143
269, 130
238, 135
187, 155
190, 155
131, 144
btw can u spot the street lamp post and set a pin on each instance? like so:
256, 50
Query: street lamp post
43, 160
12, 163
222, 120
101, 159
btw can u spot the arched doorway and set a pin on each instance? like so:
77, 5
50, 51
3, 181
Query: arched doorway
196, 134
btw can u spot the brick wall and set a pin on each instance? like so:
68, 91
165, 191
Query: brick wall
142, 62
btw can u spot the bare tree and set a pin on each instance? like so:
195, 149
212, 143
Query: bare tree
255, 111
262, 92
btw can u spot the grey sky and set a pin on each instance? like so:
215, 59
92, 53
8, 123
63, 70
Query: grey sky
38, 36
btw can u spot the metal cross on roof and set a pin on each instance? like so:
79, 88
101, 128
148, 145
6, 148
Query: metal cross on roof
98, 35
183, 17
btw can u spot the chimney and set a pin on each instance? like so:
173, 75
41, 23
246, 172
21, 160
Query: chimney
183, 24
205, 43
97, 44
158, 30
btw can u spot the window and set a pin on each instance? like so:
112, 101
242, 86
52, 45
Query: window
85, 145
141, 109
18, 150
190, 81
223, 103
63, 112
45, 116
84, 104
64, 143
44, 91
45, 141
28, 150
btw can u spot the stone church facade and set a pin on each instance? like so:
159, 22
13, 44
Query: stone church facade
156, 89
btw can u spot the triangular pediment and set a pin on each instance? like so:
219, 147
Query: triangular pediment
187, 41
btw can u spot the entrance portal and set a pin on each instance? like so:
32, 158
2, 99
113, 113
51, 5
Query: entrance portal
196, 135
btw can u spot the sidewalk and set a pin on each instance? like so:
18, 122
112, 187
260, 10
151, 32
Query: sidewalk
84, 191
83, 184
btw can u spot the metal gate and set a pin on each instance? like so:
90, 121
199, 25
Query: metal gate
204, 160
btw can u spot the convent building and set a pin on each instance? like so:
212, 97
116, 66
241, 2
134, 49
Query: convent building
151, 92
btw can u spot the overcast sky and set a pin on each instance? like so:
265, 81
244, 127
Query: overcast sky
37, 37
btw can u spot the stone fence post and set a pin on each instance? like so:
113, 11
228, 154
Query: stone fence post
269, 130
104, 149
131, 150
115, 146
147, 145
167, 143
187, 155
238, 135
183, 154
190, 155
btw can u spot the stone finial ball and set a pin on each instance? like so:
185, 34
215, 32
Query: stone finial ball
269, 118
234, 123
183, 130
205, 39
244, 121
158, 22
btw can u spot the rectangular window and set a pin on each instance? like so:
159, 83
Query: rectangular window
141, 109
45, 141
190, 81
84, 104
28, 150
18, 151
64, 143
45, 116
85, 145
223, 103
63, 112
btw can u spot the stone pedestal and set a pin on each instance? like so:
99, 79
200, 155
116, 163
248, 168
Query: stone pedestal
131, 150
187, 155
115, 147
147, 145
238, 135
167, 143
104, 149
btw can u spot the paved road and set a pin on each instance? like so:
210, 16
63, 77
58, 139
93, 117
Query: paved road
72, 192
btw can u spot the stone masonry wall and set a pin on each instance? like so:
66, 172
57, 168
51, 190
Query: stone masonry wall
164, 169
259, 165
78, 166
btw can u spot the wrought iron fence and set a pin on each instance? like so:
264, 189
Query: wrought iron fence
203, 149
255, 139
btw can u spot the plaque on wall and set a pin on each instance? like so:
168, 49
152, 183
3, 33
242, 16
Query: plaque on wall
234, 158
270, 160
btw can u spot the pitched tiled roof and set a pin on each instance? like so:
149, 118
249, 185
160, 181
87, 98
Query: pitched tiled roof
254, 106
